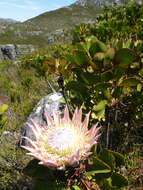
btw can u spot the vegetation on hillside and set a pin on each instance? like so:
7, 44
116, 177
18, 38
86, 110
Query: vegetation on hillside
47, 27
102, 71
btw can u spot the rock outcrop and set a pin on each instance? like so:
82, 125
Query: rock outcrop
10, 51
50, 103
98, 4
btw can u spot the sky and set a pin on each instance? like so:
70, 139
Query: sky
22, 10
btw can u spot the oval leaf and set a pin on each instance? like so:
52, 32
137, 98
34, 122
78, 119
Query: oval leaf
124, 57
101, 105
110, 53
118, 180
130, 82
99, 56
96, 47
119, 158
98, 167
107, 157
3, 108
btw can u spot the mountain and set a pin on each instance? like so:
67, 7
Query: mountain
98, 4
5, 22
53, 26
46, 27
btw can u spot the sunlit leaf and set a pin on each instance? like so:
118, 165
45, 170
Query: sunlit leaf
118, 44
3, 108
99, 110
139, 87
101, 105
110, 53
96, 47
99, 56
3, 119
75, 187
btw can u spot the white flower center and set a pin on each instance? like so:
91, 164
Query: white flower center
62, 138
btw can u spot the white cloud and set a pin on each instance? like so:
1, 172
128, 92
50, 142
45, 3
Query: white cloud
25, 4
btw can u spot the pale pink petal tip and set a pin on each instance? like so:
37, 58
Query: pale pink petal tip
74, 131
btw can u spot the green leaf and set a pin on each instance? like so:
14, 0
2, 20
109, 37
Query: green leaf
90, 39
141, 72
96, 65
118, 45
129, 43
118, 180
101, 105
92, 78
116, 93
103, 86
108, 158
80, 57
98, 166
99, 110
130, 82
119, 72
139, 87
3, 119
106, 76
99, 56
34, 170
124, 57
96, 47
139, 46
3, 108
89, 78
119, 158
74, 86
101, 178
110, 53
43, 185
75, 187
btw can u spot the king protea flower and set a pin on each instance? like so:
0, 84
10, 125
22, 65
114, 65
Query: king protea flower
63, 142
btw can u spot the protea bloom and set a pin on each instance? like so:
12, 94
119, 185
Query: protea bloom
64, 141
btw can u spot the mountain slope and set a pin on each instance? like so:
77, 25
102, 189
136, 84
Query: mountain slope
98, 4
5, 22
38, 30
53, 26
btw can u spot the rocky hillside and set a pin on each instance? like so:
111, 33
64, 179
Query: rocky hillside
11, 51
5, 22
54, 25
98, 4
46, 27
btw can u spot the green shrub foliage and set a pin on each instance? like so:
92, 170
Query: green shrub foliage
3, 118
102, 71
